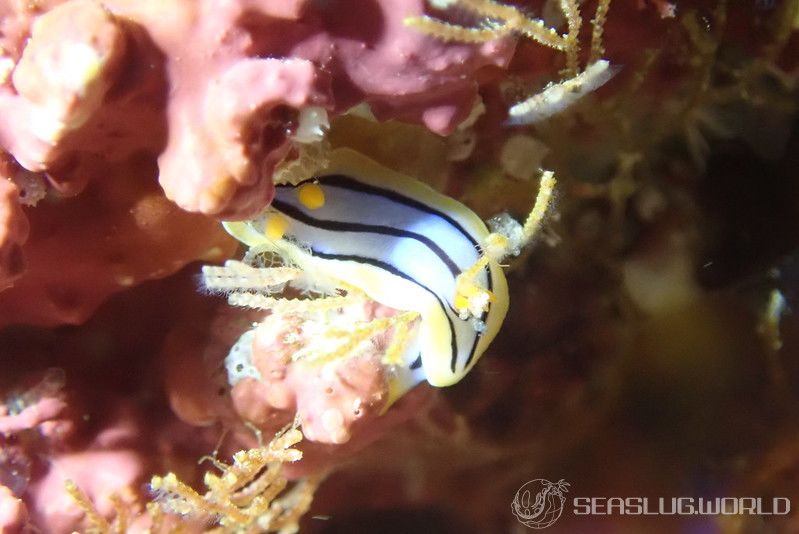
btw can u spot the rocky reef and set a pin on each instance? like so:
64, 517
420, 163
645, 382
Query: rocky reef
158, 374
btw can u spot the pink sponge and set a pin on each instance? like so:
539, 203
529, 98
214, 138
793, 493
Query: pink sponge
13, 233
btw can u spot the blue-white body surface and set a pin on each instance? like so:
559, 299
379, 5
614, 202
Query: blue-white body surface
399, 242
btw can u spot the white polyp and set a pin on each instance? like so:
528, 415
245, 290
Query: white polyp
313, 124
505, 225
32, 187
238, 362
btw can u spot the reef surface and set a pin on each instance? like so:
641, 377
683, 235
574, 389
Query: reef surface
649, 328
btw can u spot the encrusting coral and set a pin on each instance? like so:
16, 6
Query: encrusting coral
224, 138
219, 88
13, 233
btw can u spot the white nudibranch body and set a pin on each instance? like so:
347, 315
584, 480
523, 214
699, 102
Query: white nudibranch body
362, 228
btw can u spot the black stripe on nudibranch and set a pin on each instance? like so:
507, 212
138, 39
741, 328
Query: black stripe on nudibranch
417, 363
396, 272
351, 184
338, 226
483, 317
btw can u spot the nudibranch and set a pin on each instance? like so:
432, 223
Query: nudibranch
358, 228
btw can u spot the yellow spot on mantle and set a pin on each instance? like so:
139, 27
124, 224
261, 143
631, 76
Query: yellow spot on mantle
311, 196
275, 226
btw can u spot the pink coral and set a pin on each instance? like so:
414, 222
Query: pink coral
31, 416
205, 96
328, 399
226, 137
47, 439
13, 512
335, 402
77, 101
13, 233
91, 77
118, 233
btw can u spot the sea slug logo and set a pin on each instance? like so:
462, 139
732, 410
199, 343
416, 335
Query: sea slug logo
539, 503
